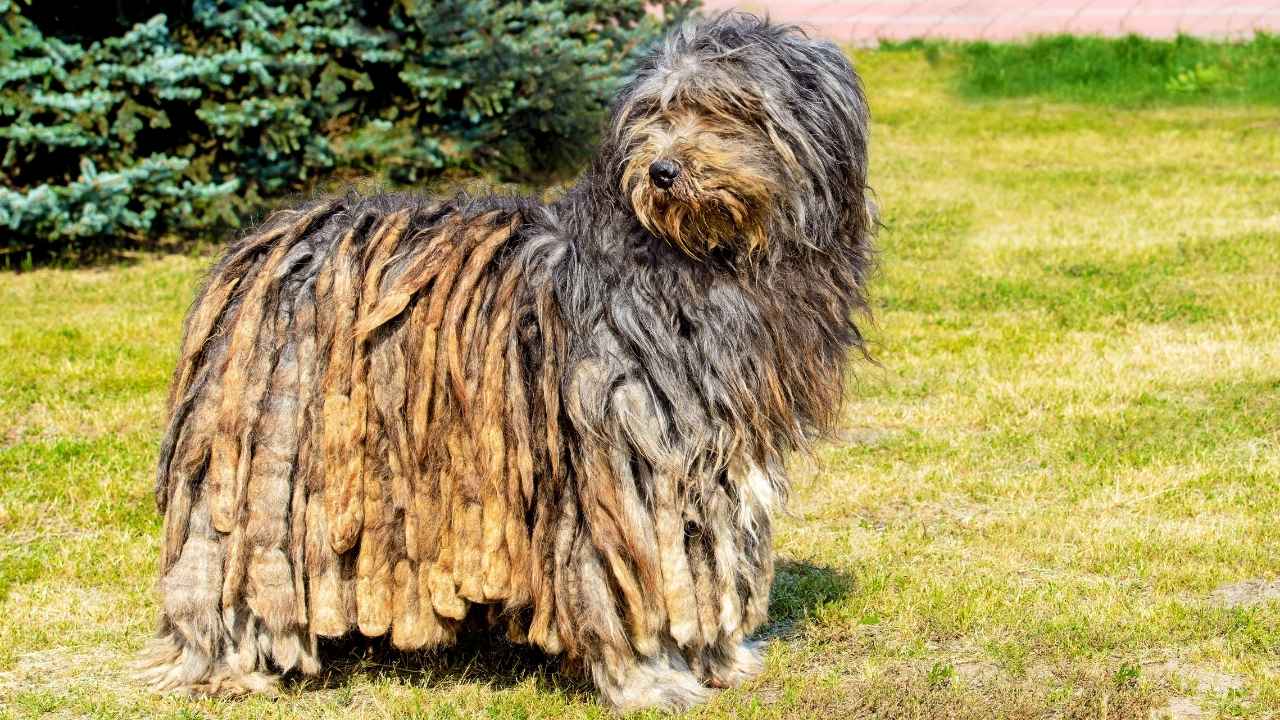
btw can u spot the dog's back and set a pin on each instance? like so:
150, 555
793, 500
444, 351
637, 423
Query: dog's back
352, 432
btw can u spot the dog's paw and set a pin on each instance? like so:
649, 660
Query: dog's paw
663, 682
230, 685
673, 692
167, 666
746, 661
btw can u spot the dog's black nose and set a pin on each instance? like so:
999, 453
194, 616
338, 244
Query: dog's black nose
663, 173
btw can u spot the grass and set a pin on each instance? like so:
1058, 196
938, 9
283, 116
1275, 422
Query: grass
1043, 503
1130, 72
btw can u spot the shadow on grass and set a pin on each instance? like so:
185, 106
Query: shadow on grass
799, 590
26, 258
480, 656
486, 656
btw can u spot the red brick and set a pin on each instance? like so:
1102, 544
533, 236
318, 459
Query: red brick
863, 21
1109, 25
1014, 29
1152, 25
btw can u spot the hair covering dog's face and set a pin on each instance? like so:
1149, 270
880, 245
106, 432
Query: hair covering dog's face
741, 136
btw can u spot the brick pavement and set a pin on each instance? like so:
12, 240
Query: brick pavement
865, 22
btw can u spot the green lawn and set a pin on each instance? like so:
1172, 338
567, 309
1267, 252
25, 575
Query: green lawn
1129, 72
1044, 501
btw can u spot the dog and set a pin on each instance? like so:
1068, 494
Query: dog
568, 421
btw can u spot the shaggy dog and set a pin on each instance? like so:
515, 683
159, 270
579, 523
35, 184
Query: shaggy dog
394, 414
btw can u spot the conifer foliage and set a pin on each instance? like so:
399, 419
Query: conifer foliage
205, 110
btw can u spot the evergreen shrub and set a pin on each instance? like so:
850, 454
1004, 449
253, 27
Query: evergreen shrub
190, 115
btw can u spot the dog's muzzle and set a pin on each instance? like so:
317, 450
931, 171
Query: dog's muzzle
663, 173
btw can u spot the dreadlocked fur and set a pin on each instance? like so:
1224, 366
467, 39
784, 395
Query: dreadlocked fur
391, 413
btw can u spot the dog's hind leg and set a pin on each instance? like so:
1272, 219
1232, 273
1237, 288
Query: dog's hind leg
202, 649
206, 649
232, 614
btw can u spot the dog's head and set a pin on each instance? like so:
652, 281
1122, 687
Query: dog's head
737, 135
